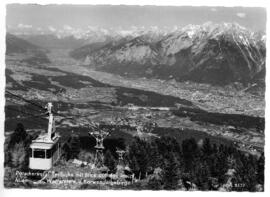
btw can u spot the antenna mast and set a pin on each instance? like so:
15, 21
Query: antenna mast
51, 124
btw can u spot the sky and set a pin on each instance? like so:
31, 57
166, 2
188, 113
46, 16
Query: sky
126, 17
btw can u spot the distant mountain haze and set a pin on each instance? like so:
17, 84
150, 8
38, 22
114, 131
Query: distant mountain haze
51, 41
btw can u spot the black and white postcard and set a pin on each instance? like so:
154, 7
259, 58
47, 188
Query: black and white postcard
134, 97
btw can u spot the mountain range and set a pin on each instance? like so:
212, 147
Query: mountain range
208, 53
218, 54
74, 38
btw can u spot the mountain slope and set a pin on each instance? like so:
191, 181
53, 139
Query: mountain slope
32, 54
210, 53
83, 51
50, 41
17, 45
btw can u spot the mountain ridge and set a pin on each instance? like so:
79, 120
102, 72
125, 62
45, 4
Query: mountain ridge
208, 53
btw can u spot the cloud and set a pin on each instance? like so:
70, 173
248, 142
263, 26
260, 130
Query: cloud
67, 27
241, 14
213, 9
24, 26
52, 29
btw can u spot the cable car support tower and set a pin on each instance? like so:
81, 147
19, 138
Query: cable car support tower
120, 157
99, 135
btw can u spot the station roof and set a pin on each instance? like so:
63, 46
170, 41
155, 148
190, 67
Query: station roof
42, 145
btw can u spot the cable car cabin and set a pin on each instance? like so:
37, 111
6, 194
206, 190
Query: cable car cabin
44, 154
45, 150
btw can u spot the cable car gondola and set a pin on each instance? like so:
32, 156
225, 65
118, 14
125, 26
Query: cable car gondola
45, 150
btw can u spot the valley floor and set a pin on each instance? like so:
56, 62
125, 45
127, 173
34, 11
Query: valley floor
211, 98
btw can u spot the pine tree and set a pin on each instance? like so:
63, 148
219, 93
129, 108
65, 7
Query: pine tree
156, 157
207, 148
260, 167
171, 173
246, 173
134, 166
201, 175
109, 160
221, 165
18, 139
74, 144
190, 151
139, 156
19, 135
18, 156
154, 184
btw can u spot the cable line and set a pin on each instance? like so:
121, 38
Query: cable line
22, 106
30, 115
31, 102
